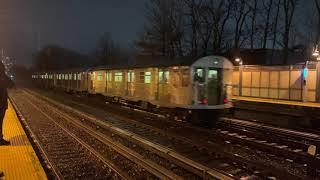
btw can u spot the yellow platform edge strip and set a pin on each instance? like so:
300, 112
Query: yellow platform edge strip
19, 160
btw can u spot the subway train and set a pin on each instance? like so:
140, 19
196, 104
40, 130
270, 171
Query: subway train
191, 89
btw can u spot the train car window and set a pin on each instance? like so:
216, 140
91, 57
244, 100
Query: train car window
70, 76
99, 76
163, 76
199, 75
130, 76
66, 77
75, 77
109, 76
147, 77
79, 76
185, 77
118, 77
212, 74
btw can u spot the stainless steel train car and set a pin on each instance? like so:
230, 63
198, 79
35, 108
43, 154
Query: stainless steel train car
186, 88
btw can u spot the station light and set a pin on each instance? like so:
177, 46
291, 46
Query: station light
238, 60
305, 73
316, 52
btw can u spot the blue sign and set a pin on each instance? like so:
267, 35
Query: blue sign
305, 73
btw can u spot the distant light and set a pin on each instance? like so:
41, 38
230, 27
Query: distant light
240, 63
216, 62
237, 59
315, 52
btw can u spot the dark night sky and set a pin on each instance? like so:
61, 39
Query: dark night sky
76, 24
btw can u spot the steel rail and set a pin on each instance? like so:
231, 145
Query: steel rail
90, 149
186, 163
150, 166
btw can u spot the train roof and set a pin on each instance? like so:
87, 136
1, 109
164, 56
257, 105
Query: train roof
155, 61
143, 61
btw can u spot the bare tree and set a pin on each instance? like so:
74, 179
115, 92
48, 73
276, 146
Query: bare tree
220, 16
317, 2
193, 21
266, 31
275, 25
107, 51
240, 13
163, 29
289, 8
253, 30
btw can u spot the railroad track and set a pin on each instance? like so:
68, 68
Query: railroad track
211, 154
177, 163
66, 155
296, 139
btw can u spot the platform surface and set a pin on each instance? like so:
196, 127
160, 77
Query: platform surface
18, 160
277, 101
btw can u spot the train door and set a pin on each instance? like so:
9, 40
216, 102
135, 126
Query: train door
214, 86
163, 81
206, 86
130, 83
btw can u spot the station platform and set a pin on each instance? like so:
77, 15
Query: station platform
283, 113
278, 101
18, 160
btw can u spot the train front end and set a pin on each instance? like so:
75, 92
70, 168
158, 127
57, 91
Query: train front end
211, 88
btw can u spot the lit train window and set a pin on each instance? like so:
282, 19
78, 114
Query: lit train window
118, 77
99, 76
163, 76
212, 74
75, 77
70, 76
147, 77
199, 75
62, 76
79, 76
108, 76
130, 76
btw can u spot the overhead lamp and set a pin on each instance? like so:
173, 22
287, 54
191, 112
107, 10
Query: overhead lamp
315, 52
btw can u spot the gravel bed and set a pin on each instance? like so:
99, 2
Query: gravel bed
77, 163
180, 130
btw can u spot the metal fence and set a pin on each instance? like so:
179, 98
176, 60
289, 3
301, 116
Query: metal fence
294, 82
